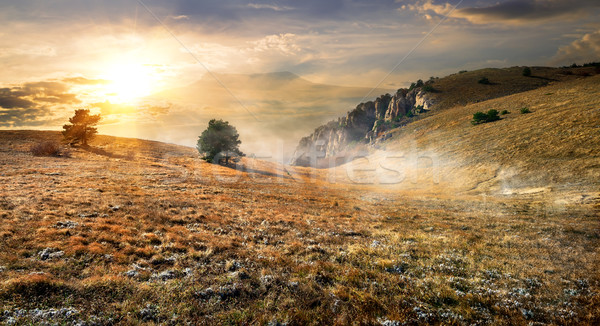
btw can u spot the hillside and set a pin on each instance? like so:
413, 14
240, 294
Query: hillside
553, 149
139, 232
370, 122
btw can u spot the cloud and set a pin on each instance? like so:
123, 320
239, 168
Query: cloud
30, 94
586, 49
269, 6
85, 81
149, 110
285, 43
28, 50
267, 53
33, 103
512, 11
180, 17
10, 100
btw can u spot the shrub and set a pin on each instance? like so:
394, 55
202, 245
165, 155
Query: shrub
527, 72
504, 112
484, 81
429, 89
462, 71
47, 148
480, 117
525, 110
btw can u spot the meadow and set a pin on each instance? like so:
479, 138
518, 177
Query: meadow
135, 231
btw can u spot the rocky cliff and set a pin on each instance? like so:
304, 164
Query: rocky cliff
365, 124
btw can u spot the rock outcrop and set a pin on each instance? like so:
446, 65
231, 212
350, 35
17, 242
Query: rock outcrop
366, 123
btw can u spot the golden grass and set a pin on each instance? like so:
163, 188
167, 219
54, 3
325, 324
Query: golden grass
151, 236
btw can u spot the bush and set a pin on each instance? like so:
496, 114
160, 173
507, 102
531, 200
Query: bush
480, 117
527, 72
462, 71
47, 148
429, 89
525, 110
484, 81
504, 112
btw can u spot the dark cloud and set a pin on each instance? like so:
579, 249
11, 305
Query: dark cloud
10, 99
523, 11
31, 103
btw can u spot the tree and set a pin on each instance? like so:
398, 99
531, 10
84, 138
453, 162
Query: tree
81, 129
527, 72
219, 141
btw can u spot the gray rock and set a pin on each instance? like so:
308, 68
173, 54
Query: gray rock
66, 224
150, 313
229, 291
131, 273
206, 293
241, 275
167, 275
267, 280
90, 215
50, 253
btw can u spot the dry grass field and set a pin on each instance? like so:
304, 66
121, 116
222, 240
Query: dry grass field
132, 231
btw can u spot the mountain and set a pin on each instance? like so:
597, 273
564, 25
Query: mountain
370, 123
553, 151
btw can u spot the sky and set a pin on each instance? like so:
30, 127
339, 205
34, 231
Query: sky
123, 58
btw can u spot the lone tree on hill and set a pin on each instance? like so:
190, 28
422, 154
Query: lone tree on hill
219, 141
81, 129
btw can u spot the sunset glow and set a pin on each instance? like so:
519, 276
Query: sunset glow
155, 63
129, 82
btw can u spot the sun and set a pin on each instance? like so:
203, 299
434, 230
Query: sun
130, 82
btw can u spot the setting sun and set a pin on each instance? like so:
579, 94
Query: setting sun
129, 82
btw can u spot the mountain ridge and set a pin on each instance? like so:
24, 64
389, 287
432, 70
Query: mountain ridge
370, 122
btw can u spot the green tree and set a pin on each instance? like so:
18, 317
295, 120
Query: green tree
219, 141
527, 72
81, 129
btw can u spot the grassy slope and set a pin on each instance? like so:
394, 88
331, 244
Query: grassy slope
555, 149
463, 88
289, 248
